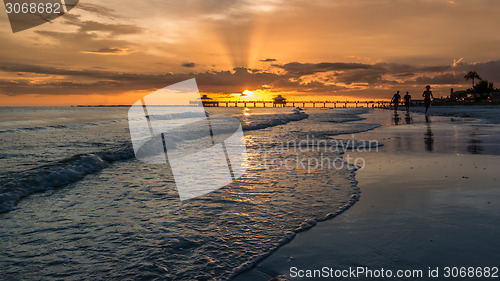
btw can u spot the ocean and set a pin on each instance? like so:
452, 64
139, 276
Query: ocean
76, 203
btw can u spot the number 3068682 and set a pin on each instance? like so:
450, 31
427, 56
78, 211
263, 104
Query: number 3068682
33, 8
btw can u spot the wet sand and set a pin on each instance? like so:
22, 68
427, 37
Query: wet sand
430, 198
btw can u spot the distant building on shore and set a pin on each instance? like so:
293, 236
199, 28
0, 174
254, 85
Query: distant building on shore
470, 97
205, 101
279, 101
457, 95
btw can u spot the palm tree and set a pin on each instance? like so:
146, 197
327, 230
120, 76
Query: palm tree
471, 76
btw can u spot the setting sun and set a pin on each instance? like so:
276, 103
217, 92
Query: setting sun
247, 93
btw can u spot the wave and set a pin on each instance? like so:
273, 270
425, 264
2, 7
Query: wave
15, 186
259, 122
253, 123
304, 226
59, 126
310, 223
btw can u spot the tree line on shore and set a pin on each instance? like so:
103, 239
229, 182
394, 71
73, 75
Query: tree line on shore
479, 92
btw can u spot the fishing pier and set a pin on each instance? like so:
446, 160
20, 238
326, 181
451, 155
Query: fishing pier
298, 103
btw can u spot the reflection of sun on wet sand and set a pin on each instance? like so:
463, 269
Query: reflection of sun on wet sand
429, 199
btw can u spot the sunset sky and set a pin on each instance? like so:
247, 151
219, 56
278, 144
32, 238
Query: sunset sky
115, 51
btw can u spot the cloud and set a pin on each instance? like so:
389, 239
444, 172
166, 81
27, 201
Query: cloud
111, 29
446, 79
370, 76
409, 74
88, 33
88, 26
489, 70
98, 10
396, 68
108, 82
109, 51
308, 78
188, 64
298, 68
456, 62
268, 60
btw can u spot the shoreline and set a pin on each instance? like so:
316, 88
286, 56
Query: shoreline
304, 227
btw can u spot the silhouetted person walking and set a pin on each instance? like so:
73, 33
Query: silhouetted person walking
395, 101
427, 98
407, 99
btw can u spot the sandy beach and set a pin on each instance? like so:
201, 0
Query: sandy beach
429, 200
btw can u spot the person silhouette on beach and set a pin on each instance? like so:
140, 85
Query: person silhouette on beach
427, 98
407, 99
395, 101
